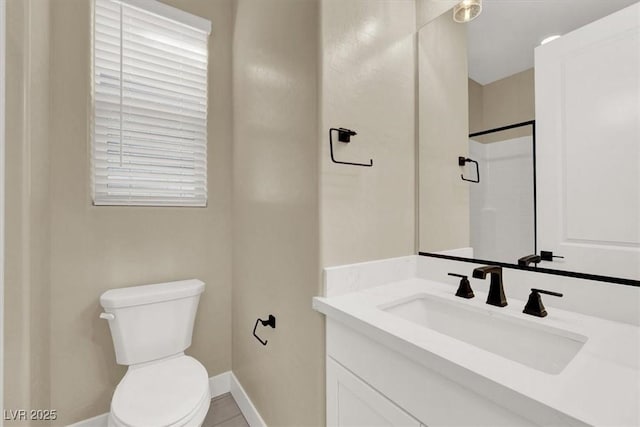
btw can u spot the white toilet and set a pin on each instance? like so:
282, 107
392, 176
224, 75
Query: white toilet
151, 326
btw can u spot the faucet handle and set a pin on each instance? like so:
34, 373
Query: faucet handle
534, 305
464, 288
529, 259
548, 256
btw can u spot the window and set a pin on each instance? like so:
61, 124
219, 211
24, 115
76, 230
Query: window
149, 93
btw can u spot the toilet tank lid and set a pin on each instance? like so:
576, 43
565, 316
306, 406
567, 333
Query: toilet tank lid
149, 294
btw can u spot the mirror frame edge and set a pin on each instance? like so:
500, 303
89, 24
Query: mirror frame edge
566, 273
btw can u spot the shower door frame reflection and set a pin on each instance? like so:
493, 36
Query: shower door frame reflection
531, 123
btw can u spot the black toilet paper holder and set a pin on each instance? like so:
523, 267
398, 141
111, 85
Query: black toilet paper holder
271, 321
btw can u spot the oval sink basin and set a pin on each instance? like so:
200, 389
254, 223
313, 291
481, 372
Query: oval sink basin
545, 348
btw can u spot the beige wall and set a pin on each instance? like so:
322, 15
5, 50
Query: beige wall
68, 252
64, 252
476, 122
26, 379
443, 129
427, 10
509, 100
366, 49
503, 102
368, 85
276, 227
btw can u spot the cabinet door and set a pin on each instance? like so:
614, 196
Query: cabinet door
352, 402
587, 88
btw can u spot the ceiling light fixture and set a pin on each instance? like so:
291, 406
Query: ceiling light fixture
467, 10
549, 39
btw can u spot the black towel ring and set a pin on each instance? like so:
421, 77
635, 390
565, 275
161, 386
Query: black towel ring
462, 161
344, 135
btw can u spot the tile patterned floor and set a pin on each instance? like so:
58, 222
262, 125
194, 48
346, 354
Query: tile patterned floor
224, 412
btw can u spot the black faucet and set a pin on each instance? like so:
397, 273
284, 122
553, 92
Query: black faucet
529, 259
496, 291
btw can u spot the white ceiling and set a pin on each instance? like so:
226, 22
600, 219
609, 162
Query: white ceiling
501, 40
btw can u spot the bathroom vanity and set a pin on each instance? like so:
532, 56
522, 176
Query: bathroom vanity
402, 349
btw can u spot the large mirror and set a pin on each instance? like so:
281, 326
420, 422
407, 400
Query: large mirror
529, 152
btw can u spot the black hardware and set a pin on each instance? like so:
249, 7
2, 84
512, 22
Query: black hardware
271, 321
344, 135
534, 305
548, 256
496, 290
464, 288
529, 259
503, 128
462, 161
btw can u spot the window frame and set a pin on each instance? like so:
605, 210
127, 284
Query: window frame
199, 173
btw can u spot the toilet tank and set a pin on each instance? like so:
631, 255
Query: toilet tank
151, 322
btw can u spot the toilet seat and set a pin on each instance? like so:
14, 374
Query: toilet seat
168, 393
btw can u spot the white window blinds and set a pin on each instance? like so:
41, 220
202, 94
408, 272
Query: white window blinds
149, 130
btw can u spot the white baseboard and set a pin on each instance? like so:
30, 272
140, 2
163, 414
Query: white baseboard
97, 421
241, 397
220, 384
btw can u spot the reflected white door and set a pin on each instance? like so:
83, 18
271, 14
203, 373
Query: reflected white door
588, 147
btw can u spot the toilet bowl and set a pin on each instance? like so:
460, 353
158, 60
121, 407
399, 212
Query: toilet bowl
151, 326
172, 392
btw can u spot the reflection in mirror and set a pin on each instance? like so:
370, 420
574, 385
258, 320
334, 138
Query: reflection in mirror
502, 205
583, 92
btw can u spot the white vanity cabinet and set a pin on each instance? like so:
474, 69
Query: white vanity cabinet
370, 383
391, 361
352, 402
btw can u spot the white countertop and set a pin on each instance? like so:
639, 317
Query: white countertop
600, 386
